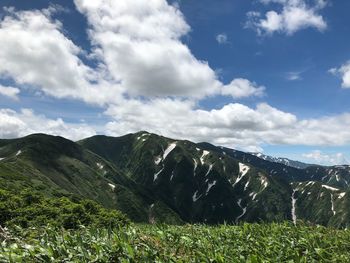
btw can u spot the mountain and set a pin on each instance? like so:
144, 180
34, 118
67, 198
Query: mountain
152, 178
57, 166
285, 161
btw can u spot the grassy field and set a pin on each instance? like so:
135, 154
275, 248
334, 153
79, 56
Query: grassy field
189, 243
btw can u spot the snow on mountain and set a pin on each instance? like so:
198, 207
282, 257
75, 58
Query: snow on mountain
285, 161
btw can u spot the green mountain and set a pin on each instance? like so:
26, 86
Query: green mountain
152, 178
56, 167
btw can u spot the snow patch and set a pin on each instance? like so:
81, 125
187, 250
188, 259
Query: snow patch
253, 195
195, 166
330, 188
156, 175
341, 195
332, 202
2, 159
209, 170
310, 183
210, 185
246, 185
169, 149
100, 166
244, 210
157, 160
243, 169
195, 197
294, 216
264, 182
337, 177
111, 186
18, 153
172, 175
142, 135
205, 153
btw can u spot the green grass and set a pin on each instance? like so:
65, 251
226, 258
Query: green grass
189, 243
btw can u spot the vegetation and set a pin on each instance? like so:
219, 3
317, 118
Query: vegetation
28, 209
59, 202
189, 243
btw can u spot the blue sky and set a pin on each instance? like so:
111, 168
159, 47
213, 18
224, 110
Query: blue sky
264, 75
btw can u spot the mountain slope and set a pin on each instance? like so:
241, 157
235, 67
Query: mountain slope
157, 179
56, 165
201, 185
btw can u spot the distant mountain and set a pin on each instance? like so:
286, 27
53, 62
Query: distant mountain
285, 161
152, 178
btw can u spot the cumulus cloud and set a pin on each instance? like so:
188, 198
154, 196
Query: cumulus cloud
9, 92
34, 52
319, 157
344, 73
234, 125
137, 46
240, 88
140, 43
15, 124
222, 38
293, 16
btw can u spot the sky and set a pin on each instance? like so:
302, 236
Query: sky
269, 76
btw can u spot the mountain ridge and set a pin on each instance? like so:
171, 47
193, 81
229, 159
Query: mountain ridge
152, 178
283, 160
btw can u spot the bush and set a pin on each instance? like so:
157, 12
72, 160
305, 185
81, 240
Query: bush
32, 209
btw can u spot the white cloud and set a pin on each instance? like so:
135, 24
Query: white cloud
137, 46
222, 38
181, 119
35, 52
240, 88
233, 125
319, 157
344, 72
293, 75
140, 43
9, 92
17, 124
293, 16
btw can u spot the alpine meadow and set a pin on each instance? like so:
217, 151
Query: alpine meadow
174, 131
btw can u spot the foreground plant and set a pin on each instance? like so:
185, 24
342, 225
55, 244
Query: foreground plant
190, 243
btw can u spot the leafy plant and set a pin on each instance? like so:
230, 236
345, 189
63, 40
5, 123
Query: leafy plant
190, 243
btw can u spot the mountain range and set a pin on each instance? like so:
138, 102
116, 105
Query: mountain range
286, 161
152, 178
